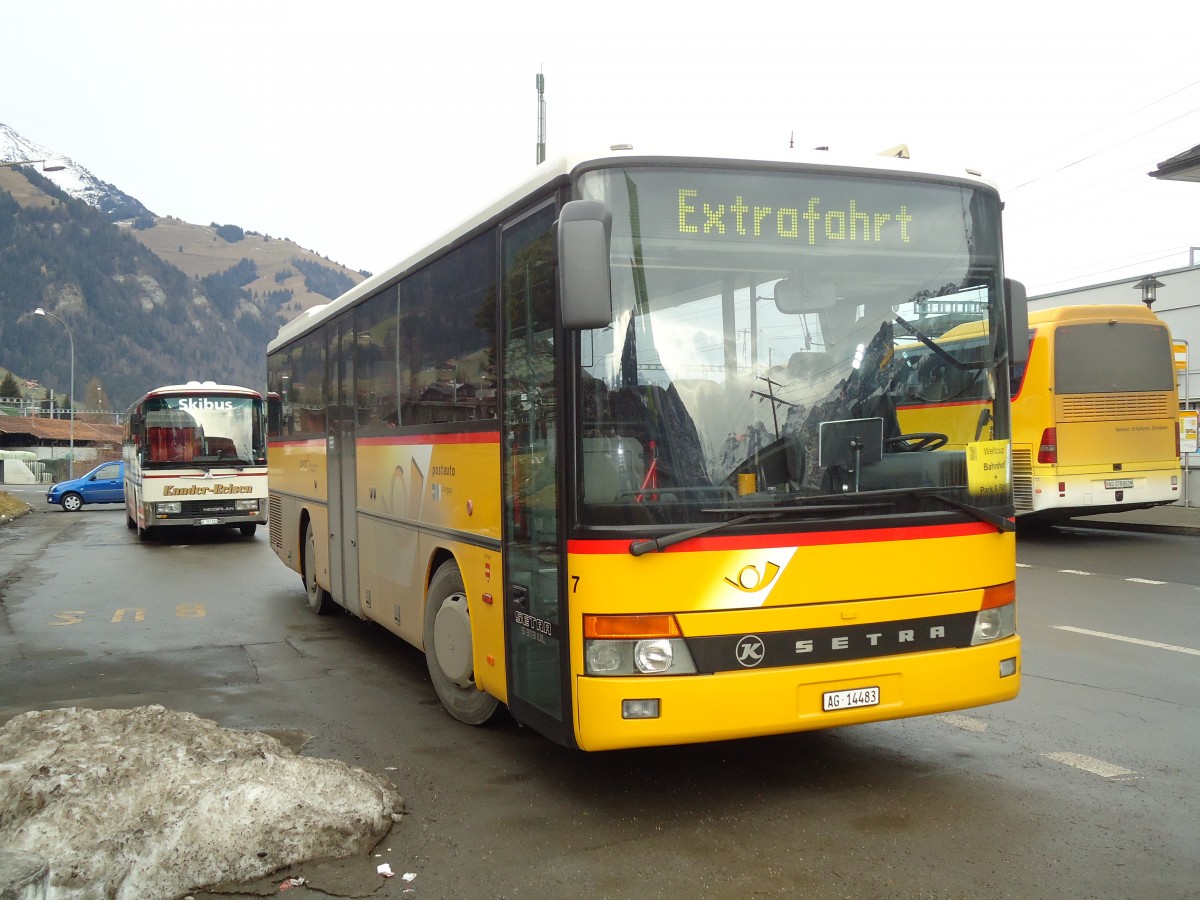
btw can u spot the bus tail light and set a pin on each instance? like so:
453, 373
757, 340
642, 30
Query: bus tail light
1048, 447
635, 645
997, 616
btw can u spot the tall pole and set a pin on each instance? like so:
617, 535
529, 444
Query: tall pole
70, 390
541, 141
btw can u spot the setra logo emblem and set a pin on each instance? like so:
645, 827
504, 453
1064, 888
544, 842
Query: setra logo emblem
750, 651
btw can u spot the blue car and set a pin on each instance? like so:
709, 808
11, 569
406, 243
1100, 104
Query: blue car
104, 484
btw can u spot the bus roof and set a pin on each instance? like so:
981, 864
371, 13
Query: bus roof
563, 169
193, 388
1095, 312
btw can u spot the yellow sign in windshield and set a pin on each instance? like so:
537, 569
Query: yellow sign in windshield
702, 216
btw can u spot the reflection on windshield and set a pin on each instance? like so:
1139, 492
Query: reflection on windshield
197, 430
741, 373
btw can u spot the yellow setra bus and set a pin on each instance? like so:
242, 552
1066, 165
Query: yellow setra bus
1096, 414
1094, 410
623, 452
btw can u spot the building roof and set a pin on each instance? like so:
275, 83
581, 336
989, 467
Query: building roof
60, 430
1183, 166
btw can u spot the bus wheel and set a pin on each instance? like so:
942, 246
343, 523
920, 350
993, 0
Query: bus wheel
248, 530
449, 651
319, 600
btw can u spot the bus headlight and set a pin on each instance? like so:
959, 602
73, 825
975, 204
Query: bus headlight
635, 645
169, 507
247, 505
993, 624
658, 656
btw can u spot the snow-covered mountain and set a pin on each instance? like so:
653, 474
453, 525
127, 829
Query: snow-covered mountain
73, 180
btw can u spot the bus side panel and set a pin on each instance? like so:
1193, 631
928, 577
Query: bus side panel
416, 494
298, 488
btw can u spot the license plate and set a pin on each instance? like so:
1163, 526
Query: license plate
208, 522
868, 696
1118, 484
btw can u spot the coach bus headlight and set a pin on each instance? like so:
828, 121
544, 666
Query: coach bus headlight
246, 505
993, 624
635, 645
169, 508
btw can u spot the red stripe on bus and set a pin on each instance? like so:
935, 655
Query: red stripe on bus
262, 473
468, 437
813, 539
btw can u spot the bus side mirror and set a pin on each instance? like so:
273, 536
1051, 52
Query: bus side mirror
1017, 306
585, 292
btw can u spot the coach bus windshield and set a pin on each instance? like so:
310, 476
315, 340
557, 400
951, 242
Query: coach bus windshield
199, 430
770, 330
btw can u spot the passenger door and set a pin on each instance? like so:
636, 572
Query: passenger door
535, 612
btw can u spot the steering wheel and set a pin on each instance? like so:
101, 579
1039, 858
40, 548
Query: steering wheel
917, 441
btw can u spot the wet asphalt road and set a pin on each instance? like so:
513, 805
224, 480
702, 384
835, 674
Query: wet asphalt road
1083, 786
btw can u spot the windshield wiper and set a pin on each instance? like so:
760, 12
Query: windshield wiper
1001, 523
855, 502
646, 545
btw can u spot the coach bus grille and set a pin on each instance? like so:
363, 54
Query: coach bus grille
1099, 407
275, 521
1022, 478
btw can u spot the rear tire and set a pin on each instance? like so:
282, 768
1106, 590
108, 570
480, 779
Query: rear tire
449, 651
319, 599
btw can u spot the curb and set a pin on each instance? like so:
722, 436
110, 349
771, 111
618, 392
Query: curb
1145, 527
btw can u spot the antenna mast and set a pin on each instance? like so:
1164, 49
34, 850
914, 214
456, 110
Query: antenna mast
541, 140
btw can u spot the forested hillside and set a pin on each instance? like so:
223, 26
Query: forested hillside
148, 301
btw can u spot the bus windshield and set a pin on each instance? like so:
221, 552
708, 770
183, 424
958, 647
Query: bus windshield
769, 327
197, 430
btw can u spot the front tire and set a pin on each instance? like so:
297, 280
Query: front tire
71, 502
319, 599
248, 529
449, 650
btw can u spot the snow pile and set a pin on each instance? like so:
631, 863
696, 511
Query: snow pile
148, 803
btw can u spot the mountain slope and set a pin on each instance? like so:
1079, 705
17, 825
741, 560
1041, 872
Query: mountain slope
148, 300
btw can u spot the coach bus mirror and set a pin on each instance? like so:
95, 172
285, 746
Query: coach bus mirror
584, 233
1018, 323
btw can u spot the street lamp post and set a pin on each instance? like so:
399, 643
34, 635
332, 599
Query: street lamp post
71, 391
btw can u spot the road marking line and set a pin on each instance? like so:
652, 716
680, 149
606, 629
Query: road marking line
1024, 566
966, 723
1091, 764
1128, 640
1073, 572
1144, 581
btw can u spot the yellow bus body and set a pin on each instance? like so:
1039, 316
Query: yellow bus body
1115, 449
815, 584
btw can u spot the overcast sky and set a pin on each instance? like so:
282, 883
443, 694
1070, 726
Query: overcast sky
362, 130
